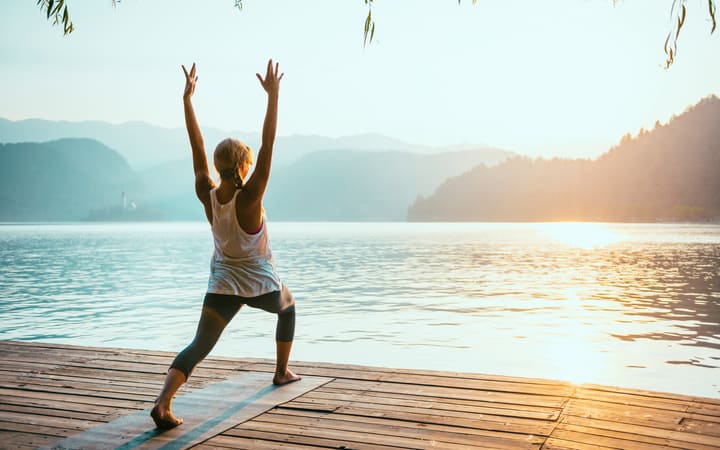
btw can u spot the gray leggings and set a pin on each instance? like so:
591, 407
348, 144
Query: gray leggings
219, 309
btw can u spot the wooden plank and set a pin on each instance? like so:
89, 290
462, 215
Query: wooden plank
48, 421
15, 440
31, 428
619, 413
72, 399
42, 384
550, 413
453, 393
447, 413
57, 412
635, 433
9, 402
653, 394
111, 376
437, 373
337, 442
236, 442
560, 444
434, 403
397, 428
532, 439
541, 428
206, 412
633, 400
686, 438
99, 378
127, 396
589, 440
354, 439
703, 408
435, 380
703, 427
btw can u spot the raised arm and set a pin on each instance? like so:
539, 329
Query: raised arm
258, 181
203, 182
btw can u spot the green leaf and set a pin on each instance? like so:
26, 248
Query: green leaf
711, 7
49, 9
682, 18
56, 9
367, 27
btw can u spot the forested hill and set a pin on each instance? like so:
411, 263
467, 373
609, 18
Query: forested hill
671, 173
62, 180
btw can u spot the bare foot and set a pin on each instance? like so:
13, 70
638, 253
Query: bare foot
164, 418
287, 377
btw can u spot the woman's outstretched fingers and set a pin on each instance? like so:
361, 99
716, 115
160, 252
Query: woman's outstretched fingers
190, 80
271, 82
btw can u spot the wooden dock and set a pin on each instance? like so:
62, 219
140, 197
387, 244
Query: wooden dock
50, 392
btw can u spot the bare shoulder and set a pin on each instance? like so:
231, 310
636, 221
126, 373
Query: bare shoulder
203, 187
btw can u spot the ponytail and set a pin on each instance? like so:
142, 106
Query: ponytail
239, 184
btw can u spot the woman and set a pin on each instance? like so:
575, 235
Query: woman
242, 270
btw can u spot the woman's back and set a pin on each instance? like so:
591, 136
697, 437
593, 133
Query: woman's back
242, 263
231, 241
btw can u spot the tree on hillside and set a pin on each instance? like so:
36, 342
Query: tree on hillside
58, 10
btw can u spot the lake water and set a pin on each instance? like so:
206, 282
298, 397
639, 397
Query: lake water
629, 305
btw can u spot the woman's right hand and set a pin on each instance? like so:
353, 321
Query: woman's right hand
190, 80
271, 83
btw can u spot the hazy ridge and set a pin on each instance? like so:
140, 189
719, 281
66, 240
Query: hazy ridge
81, 179
144, 145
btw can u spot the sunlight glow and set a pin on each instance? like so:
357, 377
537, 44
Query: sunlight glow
584, 235
575, 355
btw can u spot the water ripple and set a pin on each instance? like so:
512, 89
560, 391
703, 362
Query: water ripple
630, 305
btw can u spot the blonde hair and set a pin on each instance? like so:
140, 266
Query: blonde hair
229, 155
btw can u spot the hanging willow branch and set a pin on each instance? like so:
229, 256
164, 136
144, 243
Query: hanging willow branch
369, 24
59, 12
678, 13
57, 9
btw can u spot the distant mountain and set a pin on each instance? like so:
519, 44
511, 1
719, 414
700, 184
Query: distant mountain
144, 145
141, 144
671, 173
62, 180
364, 186
83, 179
329, 185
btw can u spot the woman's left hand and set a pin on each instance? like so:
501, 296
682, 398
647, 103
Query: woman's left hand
190, 80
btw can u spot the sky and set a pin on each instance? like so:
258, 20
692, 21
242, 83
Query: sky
545, 78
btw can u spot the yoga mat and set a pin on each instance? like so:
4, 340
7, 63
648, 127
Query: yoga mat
206, 413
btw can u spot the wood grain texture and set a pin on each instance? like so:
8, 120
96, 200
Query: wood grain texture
50, 393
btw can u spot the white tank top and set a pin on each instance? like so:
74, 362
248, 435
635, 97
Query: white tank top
242, 263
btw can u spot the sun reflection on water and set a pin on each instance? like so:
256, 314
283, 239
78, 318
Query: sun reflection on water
584, 235
574, 351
